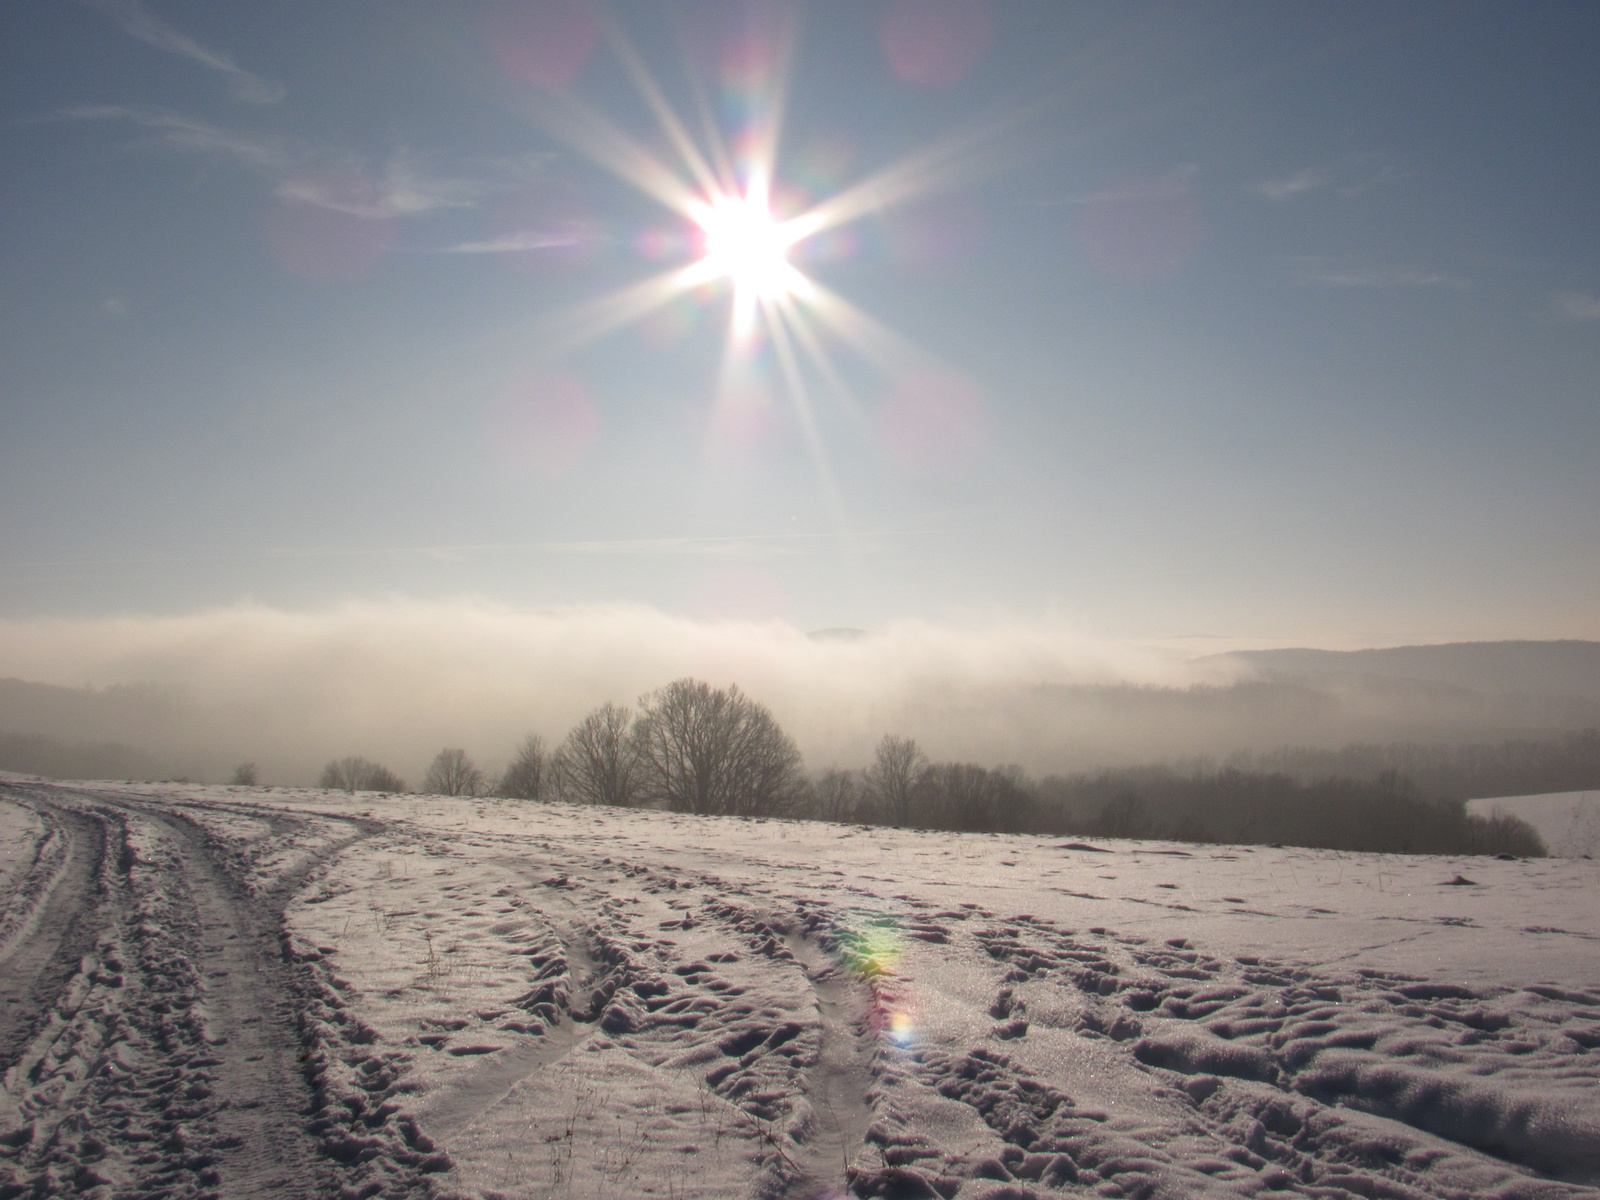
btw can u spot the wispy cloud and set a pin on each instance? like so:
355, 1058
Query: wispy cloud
1310, 271
404, 185
263, 153
1309, 180
1347, 179
1577, 306
139, 22
517, 243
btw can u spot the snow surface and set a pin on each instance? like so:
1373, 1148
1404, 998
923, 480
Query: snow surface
20, 831
1569, 822
497, 998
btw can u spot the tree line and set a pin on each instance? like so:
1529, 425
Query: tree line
690, 747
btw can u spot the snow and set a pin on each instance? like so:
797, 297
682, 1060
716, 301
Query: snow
501, 998
1569, 822
20, 831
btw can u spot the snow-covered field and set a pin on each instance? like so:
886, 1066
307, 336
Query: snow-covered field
1569, 822
254, 992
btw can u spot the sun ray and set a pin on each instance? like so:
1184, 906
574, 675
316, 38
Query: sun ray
875, 341
767, 131
650, 92
965, 155
817, 353
626, 305
716, 144
597, 139
794, 381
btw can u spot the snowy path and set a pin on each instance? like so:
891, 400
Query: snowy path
160, 1052
47, 920
252, 992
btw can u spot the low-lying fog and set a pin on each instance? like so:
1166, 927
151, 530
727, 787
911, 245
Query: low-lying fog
395, 681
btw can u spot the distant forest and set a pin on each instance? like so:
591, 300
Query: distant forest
1387, 814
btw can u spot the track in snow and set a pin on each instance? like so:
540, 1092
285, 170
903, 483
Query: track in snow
49, 924
153, 1037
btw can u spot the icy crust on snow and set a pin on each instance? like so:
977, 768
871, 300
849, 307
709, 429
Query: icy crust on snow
503, 999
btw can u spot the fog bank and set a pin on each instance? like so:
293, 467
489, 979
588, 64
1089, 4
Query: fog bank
397, 680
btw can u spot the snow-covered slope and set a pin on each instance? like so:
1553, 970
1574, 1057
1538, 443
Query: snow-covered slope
513, 999
1568, 822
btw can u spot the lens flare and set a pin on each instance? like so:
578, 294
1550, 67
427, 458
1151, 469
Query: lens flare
872, 951
901, 1030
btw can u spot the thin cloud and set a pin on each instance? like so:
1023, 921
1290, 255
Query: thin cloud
1376, 179
515, 243
403, 186
140, 23
1318, 272
1309, 180
1348, 179
265, 154
1577, 306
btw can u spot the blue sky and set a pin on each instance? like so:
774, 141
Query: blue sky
1248, 322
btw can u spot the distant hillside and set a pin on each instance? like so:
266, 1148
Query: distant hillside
35, 754
1563, 669
122, 713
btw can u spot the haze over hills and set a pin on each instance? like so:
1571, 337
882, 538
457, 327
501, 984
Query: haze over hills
385, 699
1566, 669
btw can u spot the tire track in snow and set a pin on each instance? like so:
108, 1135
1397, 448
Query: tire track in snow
171, 1062
51, 922
367, 1145
263, 1148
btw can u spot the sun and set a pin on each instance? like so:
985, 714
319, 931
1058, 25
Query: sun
746, 243
784, 326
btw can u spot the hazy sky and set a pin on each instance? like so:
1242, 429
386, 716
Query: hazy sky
1272, 321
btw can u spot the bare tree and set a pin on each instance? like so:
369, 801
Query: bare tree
836, 795
245, 775
528, 776
896, 777
360, 775
715, 751
1125, 815
598, 762
452, 773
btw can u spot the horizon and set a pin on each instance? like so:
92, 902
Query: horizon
1180, 335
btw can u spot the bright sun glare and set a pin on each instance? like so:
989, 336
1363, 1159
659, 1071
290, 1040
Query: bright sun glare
724, 189
748, 245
